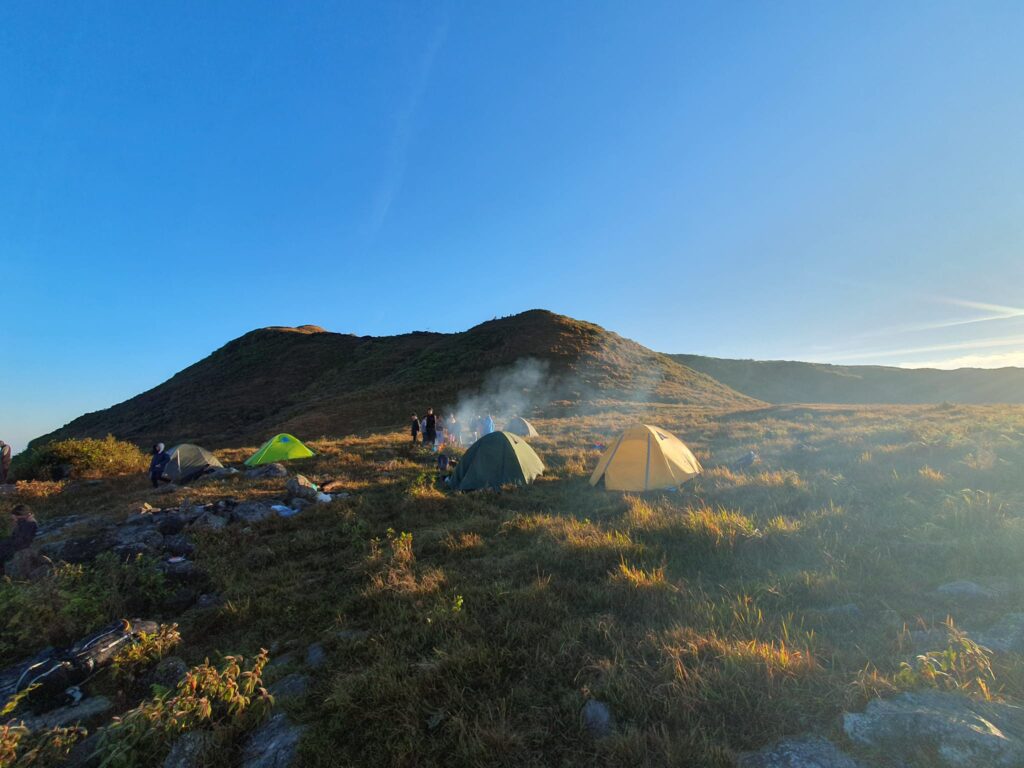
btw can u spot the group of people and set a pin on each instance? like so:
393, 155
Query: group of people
434, 430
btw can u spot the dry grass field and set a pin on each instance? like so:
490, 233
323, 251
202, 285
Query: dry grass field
470, 629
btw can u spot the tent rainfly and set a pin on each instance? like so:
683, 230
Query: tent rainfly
188, 462
279, 448
520, 426
494, 460
645, 458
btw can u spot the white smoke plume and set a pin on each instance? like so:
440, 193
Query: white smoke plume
506, 392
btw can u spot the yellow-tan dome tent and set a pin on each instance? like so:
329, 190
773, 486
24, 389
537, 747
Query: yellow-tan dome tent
645, 458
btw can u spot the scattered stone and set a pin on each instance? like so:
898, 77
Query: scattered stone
211, 521
799, 752
87, 713
190, 513
279, 662
189, 750
79, 550
1007, 636
958, 731
301, 487
170, 523
180, 600
965, 590
597, 718
273, 745
178, 545
169, 671
316, 656
290, 686
147, 537
179, 569
251, 512
25, 565
268, 470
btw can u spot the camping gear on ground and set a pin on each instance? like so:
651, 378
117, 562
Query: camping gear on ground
520, 426
645, 458
279, 448
495, 460
53, 672
188, 462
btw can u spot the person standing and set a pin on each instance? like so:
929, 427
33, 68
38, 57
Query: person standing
158, 463
5, 461
415, 427
488, 425
430, 427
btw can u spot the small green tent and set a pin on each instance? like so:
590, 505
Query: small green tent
279, 448
188, 462
494, 460
520, 426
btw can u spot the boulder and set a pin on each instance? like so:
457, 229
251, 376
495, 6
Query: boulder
87, 713
268, 470
316, 656
180, 569
965, 590
79, 550
146, 536
178, 545
273, 745
290, 686
168, 671
1006, 636
597, 718
210, 521
170, 523
189, 750
799, 752
302, 488
223, 473
958, 732
251, 512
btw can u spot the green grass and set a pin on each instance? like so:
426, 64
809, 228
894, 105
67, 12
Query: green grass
700, 617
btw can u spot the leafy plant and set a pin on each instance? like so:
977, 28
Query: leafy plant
83, 458
962, 666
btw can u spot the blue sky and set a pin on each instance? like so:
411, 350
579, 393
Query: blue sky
822, 181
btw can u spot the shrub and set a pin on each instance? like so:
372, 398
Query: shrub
83, 458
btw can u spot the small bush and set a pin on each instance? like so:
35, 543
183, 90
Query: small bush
81, 458
963, 666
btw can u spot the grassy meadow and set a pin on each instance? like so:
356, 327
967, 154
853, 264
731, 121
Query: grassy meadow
470, 629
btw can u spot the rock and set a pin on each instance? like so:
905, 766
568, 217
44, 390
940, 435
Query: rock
179, 569
223, 473
316, 656
279, 662
597, 718
87, 713
251, 512
24, 565
273, 745
299, 504
1007, 636
301, 487
180, 600
210, 521
799, 752
168, 671
208, 601
958, 731
169, 488
146, 536
189, 750
170, 523
268, 470
79, 550
967, 590
178, 545
83, 754
192, 513
290, 686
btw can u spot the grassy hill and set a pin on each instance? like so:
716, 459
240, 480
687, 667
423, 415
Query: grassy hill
312, 382
784, 381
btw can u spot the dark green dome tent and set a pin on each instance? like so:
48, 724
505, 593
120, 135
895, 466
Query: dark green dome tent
520, 426
189, 462
496, 460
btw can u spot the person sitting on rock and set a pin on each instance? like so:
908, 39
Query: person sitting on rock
158, 463
22, 533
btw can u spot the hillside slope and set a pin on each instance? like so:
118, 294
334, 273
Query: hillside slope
783, 381
313, 382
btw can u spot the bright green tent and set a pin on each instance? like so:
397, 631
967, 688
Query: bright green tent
279, 448
495, 460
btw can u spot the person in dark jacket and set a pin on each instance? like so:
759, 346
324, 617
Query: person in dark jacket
5, 461
157, 464
430, 433
415, 427
21, 535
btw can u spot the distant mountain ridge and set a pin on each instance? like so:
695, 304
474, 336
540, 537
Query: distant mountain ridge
782, 381
313, 382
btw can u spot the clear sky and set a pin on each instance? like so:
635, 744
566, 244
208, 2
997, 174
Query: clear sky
827, 181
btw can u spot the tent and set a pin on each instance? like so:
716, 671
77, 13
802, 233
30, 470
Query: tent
494, 460
645, 458
188, 462
279, 448
520, 426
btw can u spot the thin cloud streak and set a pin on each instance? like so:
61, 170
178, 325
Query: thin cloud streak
989, 343
997, 360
